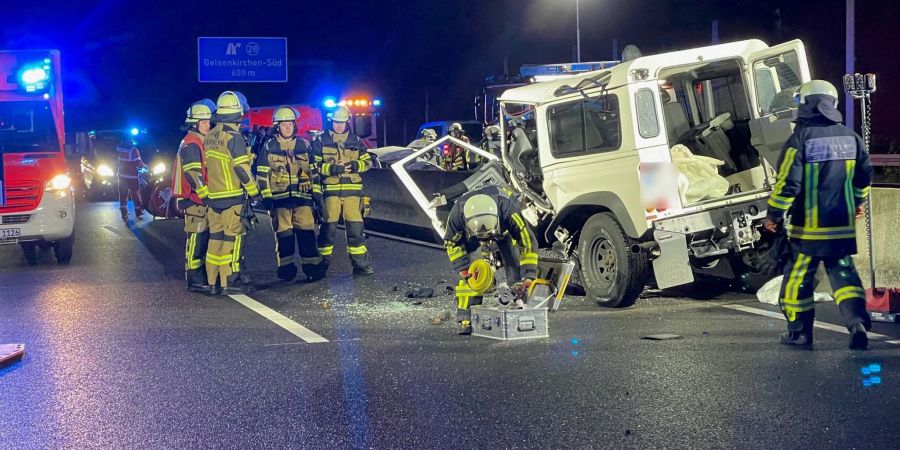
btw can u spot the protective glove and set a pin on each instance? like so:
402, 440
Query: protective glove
268, 204
336, 169
465, 275
351, 167
521, 288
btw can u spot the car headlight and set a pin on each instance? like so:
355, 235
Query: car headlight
159, 168
59, 183
104, 171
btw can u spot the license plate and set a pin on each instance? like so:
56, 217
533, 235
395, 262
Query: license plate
10, 235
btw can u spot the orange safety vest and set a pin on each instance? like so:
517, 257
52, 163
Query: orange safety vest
181, 188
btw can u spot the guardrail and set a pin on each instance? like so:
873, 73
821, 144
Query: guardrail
881, 160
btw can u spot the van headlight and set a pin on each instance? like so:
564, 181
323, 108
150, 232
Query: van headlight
104, 171
59, 183
159, 168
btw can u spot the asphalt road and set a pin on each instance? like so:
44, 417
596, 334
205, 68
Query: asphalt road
120, 356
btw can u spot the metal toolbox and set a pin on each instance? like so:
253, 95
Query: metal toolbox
508, 324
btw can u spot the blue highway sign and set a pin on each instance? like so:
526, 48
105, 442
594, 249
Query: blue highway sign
242, 59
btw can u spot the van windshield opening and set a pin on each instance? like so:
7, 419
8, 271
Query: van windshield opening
27, 127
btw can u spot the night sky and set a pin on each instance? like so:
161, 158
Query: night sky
130, 63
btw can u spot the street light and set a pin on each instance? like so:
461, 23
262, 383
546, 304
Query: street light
577, 33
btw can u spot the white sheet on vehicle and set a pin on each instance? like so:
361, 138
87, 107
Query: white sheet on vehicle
698, 176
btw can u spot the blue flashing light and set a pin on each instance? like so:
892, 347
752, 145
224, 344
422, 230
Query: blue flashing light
574, 341
329, 102
46, 60
376, 102
135, 131
46, 96
34, 75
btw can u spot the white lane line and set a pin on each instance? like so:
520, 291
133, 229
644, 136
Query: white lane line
293, 327
823, 325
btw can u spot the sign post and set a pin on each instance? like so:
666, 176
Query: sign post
242, 59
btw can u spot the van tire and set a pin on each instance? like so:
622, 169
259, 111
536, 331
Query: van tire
63, 250
611, 273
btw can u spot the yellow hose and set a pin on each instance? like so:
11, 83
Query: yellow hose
482, 276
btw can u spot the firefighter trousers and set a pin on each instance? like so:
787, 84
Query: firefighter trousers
223, 257
295, 229
796, 299
130, 187
196, 227
350, 208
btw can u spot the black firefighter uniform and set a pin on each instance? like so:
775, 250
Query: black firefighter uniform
286, 175
343, 189
516, 242
189, 187
229, 176
823, 176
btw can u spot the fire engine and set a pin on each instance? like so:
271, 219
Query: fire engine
37, 206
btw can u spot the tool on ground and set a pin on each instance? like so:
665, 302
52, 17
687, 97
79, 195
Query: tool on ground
11, 352
883, 303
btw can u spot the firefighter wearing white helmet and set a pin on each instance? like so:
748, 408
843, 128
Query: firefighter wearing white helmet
823, 180
483, 216
454, 156
189, 186
230, 182
341, 158
289, 183
427, 137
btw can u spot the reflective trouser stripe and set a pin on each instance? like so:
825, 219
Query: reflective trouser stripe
465, 298
848, 292
358, 250
326, 251
791, 304
236, 254
190, 251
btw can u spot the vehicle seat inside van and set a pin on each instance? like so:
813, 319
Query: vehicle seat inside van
523, 157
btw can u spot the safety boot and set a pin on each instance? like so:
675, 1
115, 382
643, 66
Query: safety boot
124, 213
313, 272
364, 270
196, 281
800, 330
859, 340
287, 272
465, 328
237, 285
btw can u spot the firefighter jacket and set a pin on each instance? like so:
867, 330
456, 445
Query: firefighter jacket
823, 176
189, 184
128, 162
340, 159
286, 173
228, 167
511, 223
455, 157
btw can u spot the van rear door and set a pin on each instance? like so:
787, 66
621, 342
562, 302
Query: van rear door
775, 73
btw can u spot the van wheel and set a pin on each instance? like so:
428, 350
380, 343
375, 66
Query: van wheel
29, 249
611, 273
63, 250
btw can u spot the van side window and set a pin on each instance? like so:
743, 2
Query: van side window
721, 95
648, 124
585, 126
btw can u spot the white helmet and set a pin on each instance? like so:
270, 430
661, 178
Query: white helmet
816, 87
482, 217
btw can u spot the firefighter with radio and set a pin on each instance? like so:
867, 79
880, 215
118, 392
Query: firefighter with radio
341, 158
189, 186
479, 218
230, 182
289, 183
823, 182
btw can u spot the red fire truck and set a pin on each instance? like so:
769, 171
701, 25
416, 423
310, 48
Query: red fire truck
37, 206
364, 117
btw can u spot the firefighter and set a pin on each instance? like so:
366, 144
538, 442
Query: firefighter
289, 184
823, 181
482, 216
427, 137
456, 157
129, 162
341, 158
230, 181
189, 186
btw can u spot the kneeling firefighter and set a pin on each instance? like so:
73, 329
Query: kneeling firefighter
823, 181
230, 180
289, 184
341, 158
189, 186
481, 216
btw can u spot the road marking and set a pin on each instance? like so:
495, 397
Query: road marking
817, 324
293, 327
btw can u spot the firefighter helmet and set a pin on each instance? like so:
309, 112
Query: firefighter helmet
482, 219
456, 126
284, 114
341, 114
231, 102
429, 134
201, 110
816, 87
